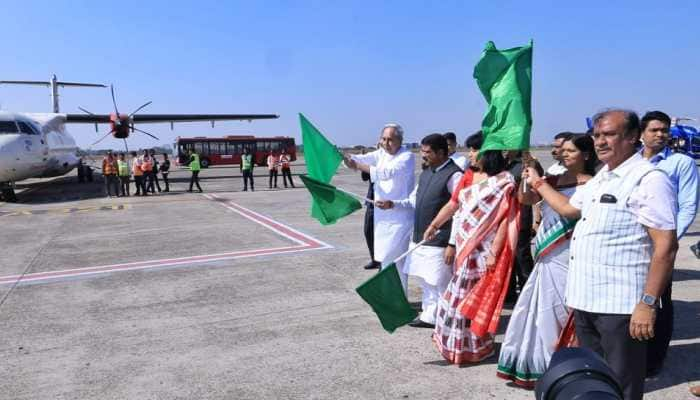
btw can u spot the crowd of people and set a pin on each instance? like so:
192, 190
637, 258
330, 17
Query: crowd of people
118, 171
605, 219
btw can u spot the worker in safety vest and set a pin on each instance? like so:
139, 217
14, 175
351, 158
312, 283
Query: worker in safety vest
137, 169
247, 169
285, 159
124, 174
147, 167
109, 171
272, 165
195, 167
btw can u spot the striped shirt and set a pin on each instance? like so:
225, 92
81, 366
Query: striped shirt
610, 251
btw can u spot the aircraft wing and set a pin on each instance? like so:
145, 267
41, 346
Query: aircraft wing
155, 118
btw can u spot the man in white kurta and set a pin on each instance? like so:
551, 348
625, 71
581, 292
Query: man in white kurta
391, 169
430, 263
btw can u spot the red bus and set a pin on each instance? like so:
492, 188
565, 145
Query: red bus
227, 150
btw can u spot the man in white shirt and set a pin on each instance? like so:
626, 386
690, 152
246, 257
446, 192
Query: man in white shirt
622, 249
391, 169
431, 263
558, 167
459, 159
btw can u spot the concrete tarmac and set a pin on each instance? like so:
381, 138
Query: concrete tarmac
229, 295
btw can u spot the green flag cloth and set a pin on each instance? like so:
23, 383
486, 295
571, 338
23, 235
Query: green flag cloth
332, 204
384, 293
321, 156
505, 79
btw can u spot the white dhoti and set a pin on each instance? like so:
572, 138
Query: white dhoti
428, 264
392, 234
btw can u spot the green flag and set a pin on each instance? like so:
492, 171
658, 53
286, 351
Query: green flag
384, 293
321, 156
332, 204
505, 79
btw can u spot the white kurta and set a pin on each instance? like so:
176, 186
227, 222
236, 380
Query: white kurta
460, 160
427, 262
393, 178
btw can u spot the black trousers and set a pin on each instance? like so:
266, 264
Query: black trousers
663, 330
149, 180
111, 185
124, 180
273, 173
155, 179
608, 335
369, 230
194, 179
248, 176
287, 173
165, 180
140, 186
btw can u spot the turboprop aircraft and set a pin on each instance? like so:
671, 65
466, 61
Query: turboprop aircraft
37, 145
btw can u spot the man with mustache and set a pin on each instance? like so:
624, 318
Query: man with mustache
681, 169
622, 249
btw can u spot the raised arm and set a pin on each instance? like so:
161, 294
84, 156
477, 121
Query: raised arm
556, 200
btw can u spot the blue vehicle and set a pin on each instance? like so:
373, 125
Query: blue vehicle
685, 139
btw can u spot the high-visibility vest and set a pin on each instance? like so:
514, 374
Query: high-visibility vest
285, 161
147, 165
136, 167
123, 168
194, 163
247, 162
108, 167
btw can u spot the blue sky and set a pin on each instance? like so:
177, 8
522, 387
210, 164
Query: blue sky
348, 66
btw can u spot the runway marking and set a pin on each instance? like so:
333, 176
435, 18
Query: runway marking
116, 207
303, 242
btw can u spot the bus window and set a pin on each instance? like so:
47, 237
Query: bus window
202, 148
233, 148
275, 146
217, 148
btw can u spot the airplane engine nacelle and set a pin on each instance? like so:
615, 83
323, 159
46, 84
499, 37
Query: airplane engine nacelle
120, 126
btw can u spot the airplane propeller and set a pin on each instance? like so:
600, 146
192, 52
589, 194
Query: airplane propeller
121, 123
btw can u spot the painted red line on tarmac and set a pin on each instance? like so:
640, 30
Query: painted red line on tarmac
52, 275
304, 243
150, 263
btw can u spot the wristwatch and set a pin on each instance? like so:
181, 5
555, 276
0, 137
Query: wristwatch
649, 300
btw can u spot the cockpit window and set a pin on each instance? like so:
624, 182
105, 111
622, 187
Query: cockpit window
26, 128
8, 127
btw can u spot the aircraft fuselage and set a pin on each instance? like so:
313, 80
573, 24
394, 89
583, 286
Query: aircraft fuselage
34, 145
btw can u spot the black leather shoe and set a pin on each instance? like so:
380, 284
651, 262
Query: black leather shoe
373, 265
696, 249
418, 323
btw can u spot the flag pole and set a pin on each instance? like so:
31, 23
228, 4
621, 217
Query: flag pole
409, 251
363, 198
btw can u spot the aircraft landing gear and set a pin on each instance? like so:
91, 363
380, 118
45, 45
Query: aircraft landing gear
8, 193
